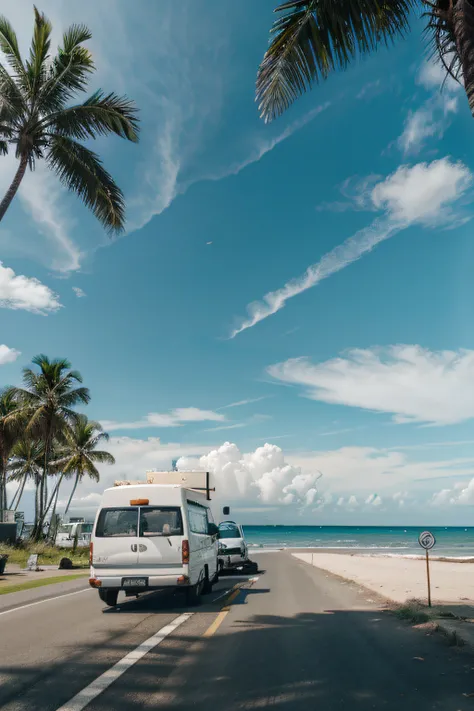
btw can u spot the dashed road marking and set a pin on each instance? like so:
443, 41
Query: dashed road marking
84, 697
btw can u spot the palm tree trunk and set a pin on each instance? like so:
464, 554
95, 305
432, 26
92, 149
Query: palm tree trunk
56, 496
38, 530
15, 502
55, 491
463, 24
20, 494
72, 493
12, 190
3, 486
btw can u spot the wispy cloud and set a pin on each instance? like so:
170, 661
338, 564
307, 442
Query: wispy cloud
174, 418
165, 184
422, 194
413, 384
240, 403
433, 117
79, 292
236, 426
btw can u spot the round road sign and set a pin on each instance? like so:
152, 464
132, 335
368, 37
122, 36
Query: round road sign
426, 540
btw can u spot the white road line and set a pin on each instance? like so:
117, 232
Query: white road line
40, 602
84, 697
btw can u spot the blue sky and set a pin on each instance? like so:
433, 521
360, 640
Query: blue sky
357, 363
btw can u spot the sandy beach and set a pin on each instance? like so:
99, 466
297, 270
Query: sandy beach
400, 579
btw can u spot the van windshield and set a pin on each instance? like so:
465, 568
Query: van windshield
148, 521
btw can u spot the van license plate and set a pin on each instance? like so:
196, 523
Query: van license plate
134, 582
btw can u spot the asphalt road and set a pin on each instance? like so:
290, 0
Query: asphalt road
296, 638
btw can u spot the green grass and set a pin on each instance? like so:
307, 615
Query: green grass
47, 554
413, 611
4, 589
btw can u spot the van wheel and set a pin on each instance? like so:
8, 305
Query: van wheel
193, 595
109, 597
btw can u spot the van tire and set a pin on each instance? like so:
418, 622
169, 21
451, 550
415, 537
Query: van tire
109, 597
193, 595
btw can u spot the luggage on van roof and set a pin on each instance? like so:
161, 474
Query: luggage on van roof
197, 481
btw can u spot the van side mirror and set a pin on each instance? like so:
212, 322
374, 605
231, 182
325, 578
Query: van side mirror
212, 530
226, 510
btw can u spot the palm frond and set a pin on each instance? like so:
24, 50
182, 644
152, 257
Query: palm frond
312, 38
9, 47
69, 71
441, 40
100, 115
81, 171
102, 457
12, 101
39, 52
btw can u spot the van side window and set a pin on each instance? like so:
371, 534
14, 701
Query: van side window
197, 518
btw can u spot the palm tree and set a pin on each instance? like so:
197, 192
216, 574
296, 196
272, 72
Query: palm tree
312, 38
9, 432
45, 402
38, 122
26, 462
79, 455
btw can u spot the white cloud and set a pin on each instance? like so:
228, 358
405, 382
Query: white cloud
262, 475
8, 355
174, 418
457, 495
432, 118
431, 76
267, 479
419, 126
78, 292
442, 498
422, 194
412, 383
20, 292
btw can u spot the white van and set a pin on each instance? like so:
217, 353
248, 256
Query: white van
153, 537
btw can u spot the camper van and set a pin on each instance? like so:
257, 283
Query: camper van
155, 536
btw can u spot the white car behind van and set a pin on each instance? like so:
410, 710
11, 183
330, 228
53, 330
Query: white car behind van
153, 537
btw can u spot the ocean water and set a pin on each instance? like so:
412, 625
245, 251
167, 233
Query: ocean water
456, 542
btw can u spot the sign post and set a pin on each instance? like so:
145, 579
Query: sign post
427, 541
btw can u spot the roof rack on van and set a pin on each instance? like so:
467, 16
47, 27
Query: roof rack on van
197, 481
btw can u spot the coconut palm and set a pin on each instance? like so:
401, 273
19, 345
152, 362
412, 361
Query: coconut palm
78, 456
9, 433
313, 38
26, 462
45, 404
38, 122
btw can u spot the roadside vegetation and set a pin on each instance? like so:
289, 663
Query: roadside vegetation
313, 38
45, 442
28, 584
47, 554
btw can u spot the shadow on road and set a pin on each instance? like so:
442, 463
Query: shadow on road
335, 660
